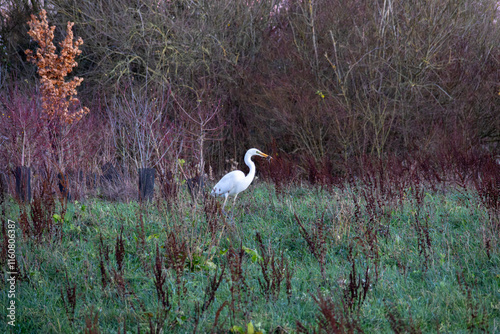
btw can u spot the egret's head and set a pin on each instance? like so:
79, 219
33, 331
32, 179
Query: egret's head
253, 151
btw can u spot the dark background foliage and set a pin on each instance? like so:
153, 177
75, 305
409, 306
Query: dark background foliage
323, 80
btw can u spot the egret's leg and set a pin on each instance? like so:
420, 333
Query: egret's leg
225, 200
234, 200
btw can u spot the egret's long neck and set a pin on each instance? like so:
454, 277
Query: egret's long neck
251, 165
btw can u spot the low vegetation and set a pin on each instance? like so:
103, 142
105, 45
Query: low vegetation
361, 256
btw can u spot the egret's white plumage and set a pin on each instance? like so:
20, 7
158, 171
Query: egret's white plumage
235, 182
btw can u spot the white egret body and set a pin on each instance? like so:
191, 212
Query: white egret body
235, 182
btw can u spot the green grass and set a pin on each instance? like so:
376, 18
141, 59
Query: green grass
453, 286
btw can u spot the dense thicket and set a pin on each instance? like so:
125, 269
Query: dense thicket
327, 80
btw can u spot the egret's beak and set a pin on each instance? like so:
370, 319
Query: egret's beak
268, 157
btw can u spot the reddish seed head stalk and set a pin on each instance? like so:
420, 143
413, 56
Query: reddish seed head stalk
58, 95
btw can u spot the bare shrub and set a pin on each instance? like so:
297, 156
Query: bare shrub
210, 290
239, 287
398, 323
68, 298
40, 222
92, 322
103, 262
162, 293
282, 170
21, 134
141, 131
275, 271
487, 184
176, 255
334, 317
317, 239
477, 319
357, 286
116, 184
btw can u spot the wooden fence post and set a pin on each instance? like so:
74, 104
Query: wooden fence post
23, 183
146, 183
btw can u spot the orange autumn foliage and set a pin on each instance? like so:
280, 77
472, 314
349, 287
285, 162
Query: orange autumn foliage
58, 95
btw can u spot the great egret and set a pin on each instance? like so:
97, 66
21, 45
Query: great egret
235, 182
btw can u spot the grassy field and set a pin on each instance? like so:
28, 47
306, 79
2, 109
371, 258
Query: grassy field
336, 260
